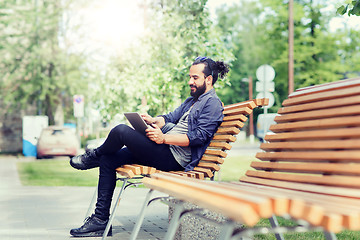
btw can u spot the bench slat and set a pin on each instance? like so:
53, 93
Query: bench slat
237, 111
215, 152
236, 124
221, 145
207, 172
353, 121
240, 117
331, 94
341, 133
319, 189
312, 145
303, 156
340, 181
318, 114
226, 138
249, 104
320, 105
326, 87
212, 159
228, 130
211, 166
328, 168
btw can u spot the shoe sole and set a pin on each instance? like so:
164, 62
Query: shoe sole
83, 168
93, 234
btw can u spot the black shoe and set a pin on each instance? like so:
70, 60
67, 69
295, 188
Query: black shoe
85, 161
93, 227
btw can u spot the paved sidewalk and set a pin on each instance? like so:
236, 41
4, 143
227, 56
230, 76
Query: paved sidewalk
50, 212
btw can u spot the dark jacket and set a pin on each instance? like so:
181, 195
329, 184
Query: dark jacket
203, 121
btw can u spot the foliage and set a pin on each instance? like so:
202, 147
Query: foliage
352, 8
34, 69
155, 69
258, 33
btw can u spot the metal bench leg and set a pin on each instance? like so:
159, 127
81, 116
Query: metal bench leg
174, 223
141, 216
227, 231
274, 223
329, 235
112, 215
92, 203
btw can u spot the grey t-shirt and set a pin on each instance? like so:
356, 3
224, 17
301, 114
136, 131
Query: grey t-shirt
181, 154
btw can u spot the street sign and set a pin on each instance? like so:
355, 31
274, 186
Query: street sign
78, 101
268, 87
265, 73
268, 95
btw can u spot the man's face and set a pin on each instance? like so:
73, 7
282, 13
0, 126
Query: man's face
197, 82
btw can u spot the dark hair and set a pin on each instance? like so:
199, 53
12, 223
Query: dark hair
215, 69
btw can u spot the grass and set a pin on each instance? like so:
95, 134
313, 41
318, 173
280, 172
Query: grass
58, 172
55, 172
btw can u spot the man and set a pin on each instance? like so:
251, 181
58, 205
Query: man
175, 142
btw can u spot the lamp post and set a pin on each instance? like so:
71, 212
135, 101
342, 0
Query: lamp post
251, 126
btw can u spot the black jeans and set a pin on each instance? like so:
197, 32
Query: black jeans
113, 153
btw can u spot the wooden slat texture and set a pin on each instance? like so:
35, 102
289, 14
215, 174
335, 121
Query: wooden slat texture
226, 138
326, 87
125, 172
237, 124
211, 166
319, 168
212, 159
240, 117
237, 111
341, 156
338, 181
338, 122
321, 96
312, 145
220, 145
318, 114
319, 189
216, 152
320, 105
341, 133
228, 130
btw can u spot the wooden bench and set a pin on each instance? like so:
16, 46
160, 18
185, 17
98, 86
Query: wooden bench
235, 116
309, 169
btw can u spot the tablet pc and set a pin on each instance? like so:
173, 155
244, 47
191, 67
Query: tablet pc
137, 122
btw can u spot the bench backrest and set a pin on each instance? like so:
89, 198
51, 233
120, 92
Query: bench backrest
235, 116
315, 144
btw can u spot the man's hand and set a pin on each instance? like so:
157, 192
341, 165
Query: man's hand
148, 119
155, 134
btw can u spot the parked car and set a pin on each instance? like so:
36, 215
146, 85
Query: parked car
57, 141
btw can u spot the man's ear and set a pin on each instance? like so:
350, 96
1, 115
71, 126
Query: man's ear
209, 80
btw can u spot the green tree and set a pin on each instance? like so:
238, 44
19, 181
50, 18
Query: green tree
157, 68
260, 35
352, 8
34, 69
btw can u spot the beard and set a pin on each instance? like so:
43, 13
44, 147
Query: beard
198, 91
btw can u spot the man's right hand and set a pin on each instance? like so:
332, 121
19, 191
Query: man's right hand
148, 119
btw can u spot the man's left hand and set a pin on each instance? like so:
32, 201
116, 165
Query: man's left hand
155, 134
